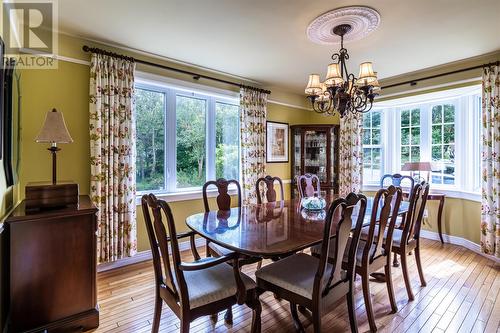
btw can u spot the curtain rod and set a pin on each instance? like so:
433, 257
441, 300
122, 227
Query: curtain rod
414, 82
195, 76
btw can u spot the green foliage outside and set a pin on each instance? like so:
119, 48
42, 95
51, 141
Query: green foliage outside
190, 140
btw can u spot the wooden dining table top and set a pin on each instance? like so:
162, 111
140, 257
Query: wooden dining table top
270, 229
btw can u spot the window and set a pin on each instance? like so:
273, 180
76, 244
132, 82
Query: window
410, 136
443, 128
443, 143
184, 138
372, 148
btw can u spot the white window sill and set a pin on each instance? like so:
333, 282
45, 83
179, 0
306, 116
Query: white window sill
472, 196
183, 195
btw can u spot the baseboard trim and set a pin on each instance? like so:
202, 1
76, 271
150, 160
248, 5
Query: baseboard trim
146, 255
143, 256
458, 241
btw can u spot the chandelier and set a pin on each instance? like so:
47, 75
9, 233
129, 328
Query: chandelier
342, 92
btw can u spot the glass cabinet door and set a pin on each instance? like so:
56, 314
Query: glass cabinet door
297, 153
315, 150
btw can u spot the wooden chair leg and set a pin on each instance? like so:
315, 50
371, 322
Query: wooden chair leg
316, 320
184, 326
352, 311
404, 267
368, 300
256, 313
295, 316
214, 317
390, 288
395, 262
259, 265
157, 313
419, 266
207, 249
228, 317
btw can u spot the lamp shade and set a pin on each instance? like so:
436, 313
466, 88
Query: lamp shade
417, 166
324, 95
333, 76
314, 85
366, 72
54, 129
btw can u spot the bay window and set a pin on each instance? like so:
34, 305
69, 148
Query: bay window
441, 127
184, 138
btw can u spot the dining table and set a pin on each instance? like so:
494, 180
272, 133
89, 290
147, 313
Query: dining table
271, 230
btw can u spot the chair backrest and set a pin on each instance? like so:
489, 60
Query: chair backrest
415, 215
270, 192
397, 180
223, 198
389, 199
308, 185
159, 236
340, 216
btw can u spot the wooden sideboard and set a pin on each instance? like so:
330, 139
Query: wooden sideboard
49, 261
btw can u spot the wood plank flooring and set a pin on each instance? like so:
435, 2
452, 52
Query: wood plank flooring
462, 295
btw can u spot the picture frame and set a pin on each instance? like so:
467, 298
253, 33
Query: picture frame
276, 142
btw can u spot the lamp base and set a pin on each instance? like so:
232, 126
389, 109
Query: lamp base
45, 195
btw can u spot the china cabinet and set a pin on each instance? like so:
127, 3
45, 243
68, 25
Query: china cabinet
315, 150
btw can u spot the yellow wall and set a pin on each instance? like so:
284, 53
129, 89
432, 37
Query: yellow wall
67, 90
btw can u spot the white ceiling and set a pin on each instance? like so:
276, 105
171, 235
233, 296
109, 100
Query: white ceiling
265, 40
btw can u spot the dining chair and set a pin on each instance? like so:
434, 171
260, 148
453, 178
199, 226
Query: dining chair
223, 201
308, 185
192, 289
407, 239
270, 192
375, 246
397, 180
315, 283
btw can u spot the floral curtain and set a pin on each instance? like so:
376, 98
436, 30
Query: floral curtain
112, 155
253, 111
350, 153
490, 208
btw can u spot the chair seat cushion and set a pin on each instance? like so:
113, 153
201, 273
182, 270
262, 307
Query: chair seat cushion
295, 273
219, 250
213, 284
397, 235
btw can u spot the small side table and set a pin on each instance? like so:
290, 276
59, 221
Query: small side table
437, 197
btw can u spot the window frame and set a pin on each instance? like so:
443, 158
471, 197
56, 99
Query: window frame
172, 88
467, 111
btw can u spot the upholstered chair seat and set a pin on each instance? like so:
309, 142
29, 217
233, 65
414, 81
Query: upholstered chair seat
295, 273
213, 284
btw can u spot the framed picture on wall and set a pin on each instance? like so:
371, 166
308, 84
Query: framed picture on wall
276, 142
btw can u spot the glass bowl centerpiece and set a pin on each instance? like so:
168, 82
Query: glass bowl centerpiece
313, 203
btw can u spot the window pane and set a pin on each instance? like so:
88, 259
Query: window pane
366, 120
449, 133
437, 116
191, 115
405, 136
449, 113
366, 136
436, 153
376, 119
405, 154
415, 135
415, 117
376, 136
150, 140
227, 141
437, 134
405, 118
415, 154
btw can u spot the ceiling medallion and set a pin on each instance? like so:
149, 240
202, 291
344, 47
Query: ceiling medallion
363, 21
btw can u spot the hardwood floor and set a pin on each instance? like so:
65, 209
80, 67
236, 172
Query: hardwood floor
462, 295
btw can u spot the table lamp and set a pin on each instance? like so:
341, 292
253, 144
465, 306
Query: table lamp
418, 166
51, 195
54, 131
